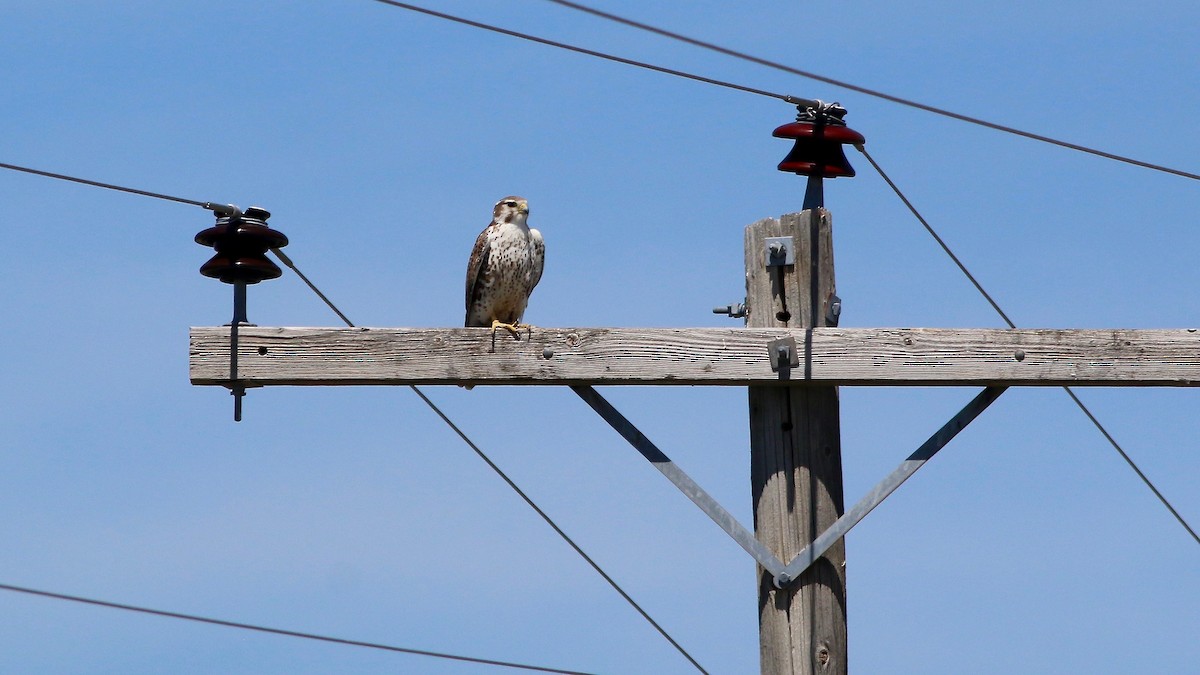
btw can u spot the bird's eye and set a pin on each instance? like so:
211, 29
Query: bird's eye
510, 203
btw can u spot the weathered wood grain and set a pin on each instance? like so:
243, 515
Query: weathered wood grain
698, 356
796, 454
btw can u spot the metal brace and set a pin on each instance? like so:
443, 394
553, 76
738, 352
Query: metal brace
711, 507
809, 554
783, 353
784, 575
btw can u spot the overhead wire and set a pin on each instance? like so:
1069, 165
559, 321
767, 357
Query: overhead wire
598, 54
281, 631
283, 258
533, 505
725, 84
662, 631
287, 261
863, 90
1009, 322
936, 237
788, 98
106, 186
872, 92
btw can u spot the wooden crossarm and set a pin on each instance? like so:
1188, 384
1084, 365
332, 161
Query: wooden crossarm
696, 356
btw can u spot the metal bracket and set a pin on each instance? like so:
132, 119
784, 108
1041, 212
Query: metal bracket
780, 251
783, 353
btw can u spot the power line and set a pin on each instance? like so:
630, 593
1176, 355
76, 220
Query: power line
280, 631
872, 92
283, 258
521, 493
562, 534
602, 55
106, 186
206, 205
1086, 411
1112, 441
287, 261
784, 97
862, 90
796, 100
929, 228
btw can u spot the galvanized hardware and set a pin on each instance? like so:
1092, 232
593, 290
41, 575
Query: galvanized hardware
833, 311
785, 575
783, 353
735, 311
780, 251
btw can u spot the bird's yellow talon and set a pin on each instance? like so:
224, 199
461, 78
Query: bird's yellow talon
513, 328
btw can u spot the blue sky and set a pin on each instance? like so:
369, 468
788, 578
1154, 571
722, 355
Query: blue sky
380, 139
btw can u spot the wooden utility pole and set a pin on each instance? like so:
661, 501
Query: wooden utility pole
795, 448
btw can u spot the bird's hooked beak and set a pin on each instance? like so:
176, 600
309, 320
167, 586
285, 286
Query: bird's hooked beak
523, 207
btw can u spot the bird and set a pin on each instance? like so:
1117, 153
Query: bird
505, 266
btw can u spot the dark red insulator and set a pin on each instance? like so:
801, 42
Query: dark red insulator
818, 150
242, 241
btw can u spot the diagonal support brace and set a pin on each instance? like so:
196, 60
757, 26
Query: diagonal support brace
725, 520
785, 575
805, 558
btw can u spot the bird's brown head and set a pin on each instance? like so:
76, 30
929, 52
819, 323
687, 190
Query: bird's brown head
511, 209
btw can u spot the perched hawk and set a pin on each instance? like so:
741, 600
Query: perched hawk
505, 265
